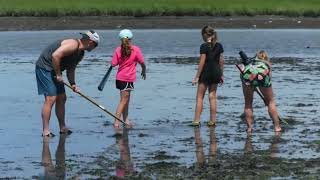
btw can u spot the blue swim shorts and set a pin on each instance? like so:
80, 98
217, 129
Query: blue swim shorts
47, 84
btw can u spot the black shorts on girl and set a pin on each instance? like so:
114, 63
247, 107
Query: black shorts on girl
124, 86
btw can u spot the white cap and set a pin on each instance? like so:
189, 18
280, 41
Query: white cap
92, 35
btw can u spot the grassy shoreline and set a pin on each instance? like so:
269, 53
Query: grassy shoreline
142, 8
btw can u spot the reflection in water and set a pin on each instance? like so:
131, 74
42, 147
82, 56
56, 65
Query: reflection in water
248, 147
213, 144
199, 146
124, 166
274, 144
54, 171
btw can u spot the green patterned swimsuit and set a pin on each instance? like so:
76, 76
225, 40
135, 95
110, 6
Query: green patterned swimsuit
256, 74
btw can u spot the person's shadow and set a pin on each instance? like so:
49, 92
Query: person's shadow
124, 166
201, 160
51, 171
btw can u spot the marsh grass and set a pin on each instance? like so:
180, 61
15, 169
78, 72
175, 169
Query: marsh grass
308, 8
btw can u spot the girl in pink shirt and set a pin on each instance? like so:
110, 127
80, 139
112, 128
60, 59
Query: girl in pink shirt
126, 56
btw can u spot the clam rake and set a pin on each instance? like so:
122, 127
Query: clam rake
93, 102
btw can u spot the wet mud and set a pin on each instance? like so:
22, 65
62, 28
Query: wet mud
162, 144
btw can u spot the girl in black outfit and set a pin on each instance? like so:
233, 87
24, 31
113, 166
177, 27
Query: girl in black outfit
209, 74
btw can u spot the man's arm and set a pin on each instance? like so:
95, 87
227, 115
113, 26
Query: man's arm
71, 75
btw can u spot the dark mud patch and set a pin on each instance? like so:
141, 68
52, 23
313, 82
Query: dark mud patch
229, 60
162, 155
303, 105
253, 164
286, 60
292, 121
165, 121
189, 139
116, 135
142, 135
163, 170
152, 22
107, 123
7, 162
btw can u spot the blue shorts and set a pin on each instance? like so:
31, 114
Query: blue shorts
47, 84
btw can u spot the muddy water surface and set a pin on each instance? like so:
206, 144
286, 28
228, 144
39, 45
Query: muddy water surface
162, 145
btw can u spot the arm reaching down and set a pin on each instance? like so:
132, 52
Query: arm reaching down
143, 73
200, 68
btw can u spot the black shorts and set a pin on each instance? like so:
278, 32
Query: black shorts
124, 86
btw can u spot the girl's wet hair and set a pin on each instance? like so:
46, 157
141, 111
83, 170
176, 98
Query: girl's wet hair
125, 48
207, 32
262, 55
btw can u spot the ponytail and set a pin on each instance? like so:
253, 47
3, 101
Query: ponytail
125, 48
208, 31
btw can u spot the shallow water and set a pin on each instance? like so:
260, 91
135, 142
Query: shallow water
161, 109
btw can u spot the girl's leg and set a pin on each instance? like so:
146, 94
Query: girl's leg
124, 99
268, 95
46, 113
199, 102
243, 115
213, 102
248, 110
126, 112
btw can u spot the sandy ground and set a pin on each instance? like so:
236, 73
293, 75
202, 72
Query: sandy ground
183, 22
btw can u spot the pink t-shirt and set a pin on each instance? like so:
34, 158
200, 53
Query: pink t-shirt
127, 66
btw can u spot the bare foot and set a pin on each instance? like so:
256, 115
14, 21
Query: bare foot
277, 133
249, 130
47, 134
116, 124
128, 124
277, 129
65, 130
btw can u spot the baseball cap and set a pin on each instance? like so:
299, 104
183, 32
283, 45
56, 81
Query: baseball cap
125, 33
92, 35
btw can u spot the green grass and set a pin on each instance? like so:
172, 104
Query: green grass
308, 8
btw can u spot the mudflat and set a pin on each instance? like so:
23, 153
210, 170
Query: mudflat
161, 22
